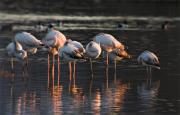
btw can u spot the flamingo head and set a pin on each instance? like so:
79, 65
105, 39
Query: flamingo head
122, 53
22, 54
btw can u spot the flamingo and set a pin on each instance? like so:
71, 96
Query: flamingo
54, 40
71, 53
29, 42
149, 60
93, 51
80, 48
117, 55
108, 43
15, 49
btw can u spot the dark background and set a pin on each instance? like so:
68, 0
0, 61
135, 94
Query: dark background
94, 7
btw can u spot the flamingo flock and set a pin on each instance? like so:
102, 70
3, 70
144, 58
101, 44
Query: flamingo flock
57, 44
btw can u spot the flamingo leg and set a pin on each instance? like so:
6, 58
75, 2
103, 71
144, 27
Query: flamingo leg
12, 65
91, 68
114, 71
74, 73
70, 71
147, 69
90, 87
107, 59
48, 70
27, 61
53, 59
114, 65
150, 76
53, 77
53, 69
58, 70
107, 82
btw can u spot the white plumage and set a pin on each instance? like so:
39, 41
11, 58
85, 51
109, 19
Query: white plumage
108, 42
14, 49
70, 52
78, 45
148, 58
93, 50
54, 39
28, 42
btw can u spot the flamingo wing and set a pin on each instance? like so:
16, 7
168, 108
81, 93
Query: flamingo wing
27, 39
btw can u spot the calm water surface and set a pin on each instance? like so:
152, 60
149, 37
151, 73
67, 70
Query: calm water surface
126, 90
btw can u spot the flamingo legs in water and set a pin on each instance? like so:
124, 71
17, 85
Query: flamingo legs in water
48, 70
91, 67
149, 74
107, 77
107, 59
114, 71
58, 70
12, 65
70, 71
74, 71
114, 65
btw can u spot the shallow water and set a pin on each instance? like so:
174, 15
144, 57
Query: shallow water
126, 90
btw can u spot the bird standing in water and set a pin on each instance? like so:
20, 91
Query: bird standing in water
149, 60
54, 40
108, 43
117, 55
15, 49
71, 52
29, 42
93, 51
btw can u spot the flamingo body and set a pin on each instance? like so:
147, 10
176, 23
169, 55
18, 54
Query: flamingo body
69, 52
28, 41
54, 39
93, 50
78, 45
148, 58
14, 49
108, 42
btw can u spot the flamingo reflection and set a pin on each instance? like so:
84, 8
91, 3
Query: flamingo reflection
96, 103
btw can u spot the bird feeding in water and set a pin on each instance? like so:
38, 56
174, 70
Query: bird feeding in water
149, 60
29, 42
93, 51
108, 43
71, 53
54, 40
118, 55
14, 49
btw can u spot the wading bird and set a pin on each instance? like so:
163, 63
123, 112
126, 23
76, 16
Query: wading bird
108, 43
71, 53
80, 48
149, 60
93, 51
14, 49
117, 55
54, 40
29, 42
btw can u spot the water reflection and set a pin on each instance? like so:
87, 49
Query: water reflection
125, 89
96, 103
